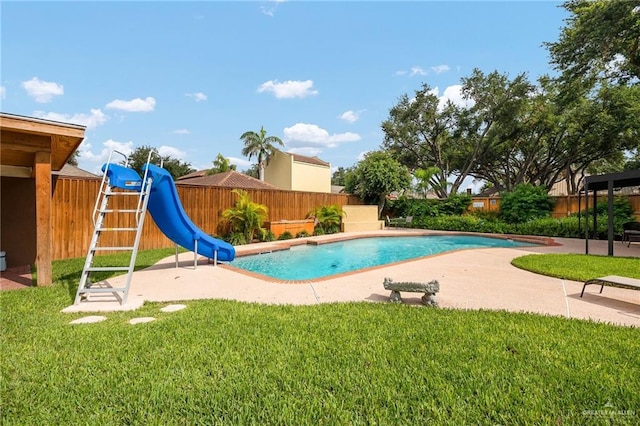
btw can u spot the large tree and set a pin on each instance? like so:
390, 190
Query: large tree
261, 146
418, 133
601, 40
454, 142
220, 165
377, 176
174, 166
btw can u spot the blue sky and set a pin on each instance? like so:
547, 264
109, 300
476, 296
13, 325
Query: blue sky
190, 77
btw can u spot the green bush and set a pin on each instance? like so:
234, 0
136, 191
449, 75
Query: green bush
286, 235
404, 206
267, 235
302, 234
235, 238
524, 203
245, 217
328, 218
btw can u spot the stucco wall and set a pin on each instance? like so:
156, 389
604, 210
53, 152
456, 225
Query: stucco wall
311, 177
361, 218
278, 171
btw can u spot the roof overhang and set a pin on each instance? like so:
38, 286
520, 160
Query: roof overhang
22, 137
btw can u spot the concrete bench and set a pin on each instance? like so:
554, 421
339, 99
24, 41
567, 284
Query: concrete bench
429, 289
613, 281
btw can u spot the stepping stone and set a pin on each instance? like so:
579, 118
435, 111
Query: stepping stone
141, 320
89, 319
173, 308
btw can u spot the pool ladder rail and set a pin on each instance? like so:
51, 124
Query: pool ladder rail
129, 220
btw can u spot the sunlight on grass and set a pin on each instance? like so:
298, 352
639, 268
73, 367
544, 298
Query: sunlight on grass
223, 362
578, 267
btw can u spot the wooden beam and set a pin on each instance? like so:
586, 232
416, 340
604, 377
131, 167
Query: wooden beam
39, 126
42, 172
15, 171
24, 141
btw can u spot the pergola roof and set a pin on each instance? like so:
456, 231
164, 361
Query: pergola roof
22, 137
620, 180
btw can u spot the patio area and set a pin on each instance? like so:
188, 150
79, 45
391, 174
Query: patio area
469, 279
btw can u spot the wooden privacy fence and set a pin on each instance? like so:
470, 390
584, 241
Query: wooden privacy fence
564, 205
74, 199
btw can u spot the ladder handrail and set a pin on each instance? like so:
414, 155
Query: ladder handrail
146, 182
103, 183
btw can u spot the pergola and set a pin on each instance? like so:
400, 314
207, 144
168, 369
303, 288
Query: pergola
607, 182
32, 148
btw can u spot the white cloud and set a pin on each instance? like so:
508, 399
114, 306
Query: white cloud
401, 72
94, 119
349, 116
270, 10
362, 155
97, 159
307, 151
453, 94
417, 71
439, 69
302, 135
182, 131
288, 89
3, 92
42, 91
240, 162
197, 96
172, 152
135, 105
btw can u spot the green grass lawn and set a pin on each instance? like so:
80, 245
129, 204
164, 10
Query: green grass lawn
579, 267
224, 362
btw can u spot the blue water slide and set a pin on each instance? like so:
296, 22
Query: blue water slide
167, 211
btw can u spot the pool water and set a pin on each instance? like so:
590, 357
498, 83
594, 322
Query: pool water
308, 262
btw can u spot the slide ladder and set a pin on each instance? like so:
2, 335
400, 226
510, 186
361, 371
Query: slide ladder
124, 183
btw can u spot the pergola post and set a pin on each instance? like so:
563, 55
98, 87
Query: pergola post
42, 174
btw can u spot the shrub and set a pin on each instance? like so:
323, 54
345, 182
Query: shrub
456, 204
328, 218
235, 238
267, 235
318, 231
246, 217
302, 234
286, 235
524, 203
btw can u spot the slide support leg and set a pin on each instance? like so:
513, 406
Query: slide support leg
176, 256
195, 254
215, 257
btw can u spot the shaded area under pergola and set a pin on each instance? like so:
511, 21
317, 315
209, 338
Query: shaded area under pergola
609, 182
31, 149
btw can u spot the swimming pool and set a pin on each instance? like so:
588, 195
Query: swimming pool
308, 262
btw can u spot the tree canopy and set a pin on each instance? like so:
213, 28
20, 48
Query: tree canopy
174, 166
601, 40
376, 176
220, 165
261, 146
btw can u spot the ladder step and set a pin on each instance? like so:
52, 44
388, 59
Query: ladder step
130, 193
101, 290
107, 268
111, 248
116, 229
120, 211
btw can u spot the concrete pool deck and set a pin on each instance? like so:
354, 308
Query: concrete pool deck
469, 279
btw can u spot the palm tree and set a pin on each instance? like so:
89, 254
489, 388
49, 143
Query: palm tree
246, 217
260, 145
